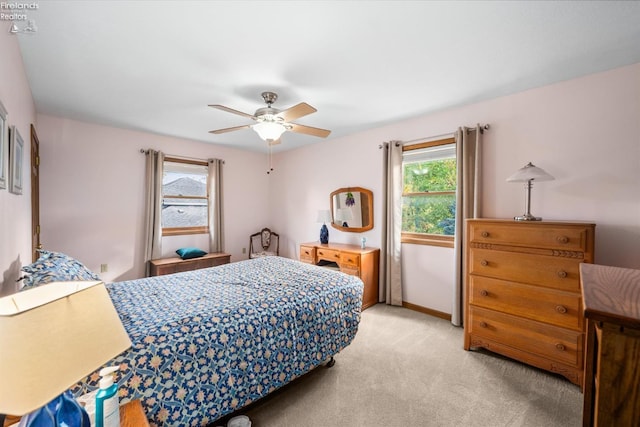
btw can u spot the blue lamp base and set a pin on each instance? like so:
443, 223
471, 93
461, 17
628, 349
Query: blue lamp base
324, 234
64, 410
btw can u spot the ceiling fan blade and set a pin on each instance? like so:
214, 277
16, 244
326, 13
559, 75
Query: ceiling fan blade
322, 133
296, 112
225, 130
231, 110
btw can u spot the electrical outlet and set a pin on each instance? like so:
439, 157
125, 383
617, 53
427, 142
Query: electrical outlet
104, 268
244, 250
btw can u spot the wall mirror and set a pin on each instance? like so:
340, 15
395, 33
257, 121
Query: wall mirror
352, 209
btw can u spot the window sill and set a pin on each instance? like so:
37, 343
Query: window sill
184, 231
427, 239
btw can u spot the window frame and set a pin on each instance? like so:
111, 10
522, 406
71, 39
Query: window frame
427, 238
182, 231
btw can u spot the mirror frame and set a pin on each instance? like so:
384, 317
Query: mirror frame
369, 193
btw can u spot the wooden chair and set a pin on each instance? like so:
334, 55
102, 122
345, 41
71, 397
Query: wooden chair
264, 243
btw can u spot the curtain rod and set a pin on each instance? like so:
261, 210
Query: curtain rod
427, 138
143, 151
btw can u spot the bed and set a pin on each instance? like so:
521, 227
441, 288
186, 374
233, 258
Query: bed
206, 343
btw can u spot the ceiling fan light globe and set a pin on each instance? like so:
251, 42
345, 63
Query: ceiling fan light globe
269, 130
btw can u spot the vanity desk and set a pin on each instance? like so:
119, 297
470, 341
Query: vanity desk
349, 259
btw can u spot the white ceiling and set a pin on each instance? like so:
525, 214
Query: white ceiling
155, 65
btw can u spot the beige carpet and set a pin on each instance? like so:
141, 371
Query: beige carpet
409, 369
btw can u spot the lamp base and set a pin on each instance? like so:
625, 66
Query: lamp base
527, 217
324, 234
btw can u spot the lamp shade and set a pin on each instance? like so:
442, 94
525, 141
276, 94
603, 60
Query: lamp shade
530, 172
324, 215
269, 130
344, 214
52, 336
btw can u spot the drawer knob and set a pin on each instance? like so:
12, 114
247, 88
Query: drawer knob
336, 255
484, 263
485, 234
561, 309
560, 347
483, 324
562, 239
484, 293
562, 274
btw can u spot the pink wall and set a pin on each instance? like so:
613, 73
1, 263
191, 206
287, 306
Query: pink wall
92, 194
15, 210
585, 132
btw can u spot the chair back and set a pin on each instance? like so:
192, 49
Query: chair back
264, 243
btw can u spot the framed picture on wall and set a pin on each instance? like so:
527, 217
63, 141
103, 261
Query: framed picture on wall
4, 147
16, 149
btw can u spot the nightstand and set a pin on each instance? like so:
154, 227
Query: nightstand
132, 415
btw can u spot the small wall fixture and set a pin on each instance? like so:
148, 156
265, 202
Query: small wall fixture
528, 174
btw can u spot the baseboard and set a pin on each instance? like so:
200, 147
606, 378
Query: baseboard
426, 310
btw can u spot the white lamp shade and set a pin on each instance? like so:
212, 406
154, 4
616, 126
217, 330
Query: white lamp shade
52, 336
344, 214
269, 130
324, 215
530, 172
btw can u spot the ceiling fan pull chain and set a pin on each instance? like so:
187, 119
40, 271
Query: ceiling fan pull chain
270, 159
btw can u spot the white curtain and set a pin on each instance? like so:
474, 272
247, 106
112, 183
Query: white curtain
469, 156
390, 263
216, 237
153, 208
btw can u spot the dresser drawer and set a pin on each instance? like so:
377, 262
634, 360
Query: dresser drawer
350, 271
551, 272
349, 260
328, 254
177, 265
530, 235
308, 254
537, 338
542, 304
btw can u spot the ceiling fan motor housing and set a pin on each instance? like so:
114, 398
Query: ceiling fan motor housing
269, 97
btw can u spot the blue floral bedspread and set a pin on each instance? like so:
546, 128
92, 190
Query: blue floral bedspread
209, 342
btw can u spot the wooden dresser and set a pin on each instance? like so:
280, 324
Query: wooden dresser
177, 264
523, 295
350, 259
611, 298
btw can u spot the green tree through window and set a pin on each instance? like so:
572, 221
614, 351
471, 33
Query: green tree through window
429, 190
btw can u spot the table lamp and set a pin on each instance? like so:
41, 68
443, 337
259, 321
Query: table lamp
53, 336
343, 215
528, 174
324, 216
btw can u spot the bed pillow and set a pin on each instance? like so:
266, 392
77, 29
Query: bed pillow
188, 253
56, 267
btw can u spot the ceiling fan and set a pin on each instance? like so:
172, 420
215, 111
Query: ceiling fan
272, 123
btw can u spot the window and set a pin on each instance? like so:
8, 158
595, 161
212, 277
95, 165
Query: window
185, 199
429, 178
